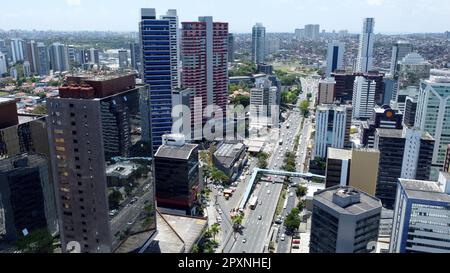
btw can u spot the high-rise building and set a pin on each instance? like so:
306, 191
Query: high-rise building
3, 64
366, 43
312, 32
135, 53
72, 53
158, 39
123, 59
43, 63
326, 91
383, 117
357, 168
177, 176
102, 163
231, 47
335, 57
421, 216
27, 202
207, 41
31, 56
26, 69
433, 116
18, 52
59, 58
333, 124
399, 51
447, 34
264, 104
409, 117
174, 30
299, 33
344, 86
412, 69
258, 43
93, 56
363, 97
404, 153
344, 220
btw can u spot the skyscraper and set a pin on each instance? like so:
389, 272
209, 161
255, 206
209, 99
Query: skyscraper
3, 64
421, 217
258, 43
344, 220
366, 43
399, 51
31, 56
43, 63
264, 106
326, 91
404, 153
123, 59
312, 32
174, 30
335, 57
413, 68
333, 123
158, 39
135, 53
207, 42
59, 58
433, 116
102, 163
363, 97
17, 50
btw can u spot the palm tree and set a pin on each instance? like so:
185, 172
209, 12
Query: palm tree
215, 229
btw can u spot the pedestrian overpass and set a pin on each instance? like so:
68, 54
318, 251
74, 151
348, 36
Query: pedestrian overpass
258, 171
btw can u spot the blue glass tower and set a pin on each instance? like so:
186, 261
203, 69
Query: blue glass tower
158, 38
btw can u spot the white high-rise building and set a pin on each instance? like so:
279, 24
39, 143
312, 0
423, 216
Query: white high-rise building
335, 57
3, 64
174, 30
258, 43
59, 57
333, 124
264, 107
433, 116
363, 97
366, 42
17, 50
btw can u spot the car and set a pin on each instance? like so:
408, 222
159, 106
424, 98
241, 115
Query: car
260, 217
220, 211
291, 194
283, 237
130, 222
219, 219
260, 202
244, 241
267, 184
268, 192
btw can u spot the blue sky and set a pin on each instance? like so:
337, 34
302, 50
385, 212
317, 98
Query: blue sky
392, 16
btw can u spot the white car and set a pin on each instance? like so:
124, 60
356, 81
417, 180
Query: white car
268, 192
220, 211
283, 237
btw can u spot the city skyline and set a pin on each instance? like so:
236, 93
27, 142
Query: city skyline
393, 16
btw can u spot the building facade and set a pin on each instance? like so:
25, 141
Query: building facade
258, 43
366, 42
335, 57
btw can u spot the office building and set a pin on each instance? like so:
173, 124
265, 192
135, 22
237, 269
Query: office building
265, 69
390, 90
383, 117
3, 64
32, 56
208, 41
174, 30
230, 47
357, 168
177, 177
18, 51
72, 53
299, 33
26, 69
363, 98
409, 117
335, 57
333, 124
27, 200
312, 31
412, 69
326, 91
264, 104
399, 51
344, 220
59, 58
258, 43
366, 43
94, 56
421, 217
432, 116
135, 53
404, 153
43, 63
123, 59
158, 38
230, 157
344, 86
102, 162
181, 101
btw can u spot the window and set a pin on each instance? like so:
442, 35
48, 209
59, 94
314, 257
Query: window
74, 133
58, 131
71, 105
73, 123
60, 149
72, 114
59, 140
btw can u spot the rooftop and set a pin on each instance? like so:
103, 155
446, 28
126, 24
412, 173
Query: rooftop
424, 190
176, 152
190, 229
228, 152
356, 207
341, 154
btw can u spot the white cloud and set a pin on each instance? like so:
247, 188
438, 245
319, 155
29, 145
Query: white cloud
73, 2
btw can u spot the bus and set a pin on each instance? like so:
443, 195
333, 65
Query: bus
253, 202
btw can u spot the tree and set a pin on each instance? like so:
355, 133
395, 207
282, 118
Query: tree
301, 191
196, 249
115, 197
262, 160
241, 100
292, 221
215, 229
219, 176
304, 108
40, 110
301, 205
237, 222
39, 241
